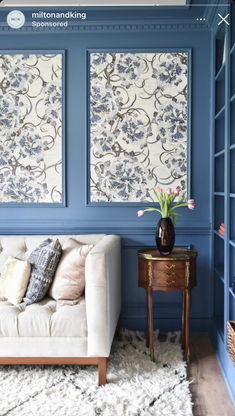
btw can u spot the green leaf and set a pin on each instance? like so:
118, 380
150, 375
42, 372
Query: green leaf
151, 209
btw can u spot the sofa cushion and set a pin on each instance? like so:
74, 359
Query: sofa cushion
44, 260
69, 280
43, 319
14, 279
20, 246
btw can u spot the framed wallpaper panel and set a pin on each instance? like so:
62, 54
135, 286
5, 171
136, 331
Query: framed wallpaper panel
31, 127
139, 124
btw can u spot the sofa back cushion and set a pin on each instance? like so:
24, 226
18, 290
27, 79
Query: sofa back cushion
20, 246
14, 279
69, 281
44, 260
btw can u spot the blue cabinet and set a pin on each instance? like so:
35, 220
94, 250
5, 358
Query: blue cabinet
223, 189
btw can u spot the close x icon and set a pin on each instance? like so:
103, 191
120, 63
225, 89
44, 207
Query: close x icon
224, 19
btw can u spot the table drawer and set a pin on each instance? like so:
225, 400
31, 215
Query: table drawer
169, 274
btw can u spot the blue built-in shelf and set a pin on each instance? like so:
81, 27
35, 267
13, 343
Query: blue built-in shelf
218, 234
232, 293
220, 153
220, 112
219, 193
223, 179
219, 271
232, 98
220, 74
220, 327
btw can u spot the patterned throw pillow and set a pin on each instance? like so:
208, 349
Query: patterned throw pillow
44, 260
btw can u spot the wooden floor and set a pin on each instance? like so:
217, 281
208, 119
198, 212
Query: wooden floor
210, 395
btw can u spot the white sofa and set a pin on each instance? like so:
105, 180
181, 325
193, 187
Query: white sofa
48, 333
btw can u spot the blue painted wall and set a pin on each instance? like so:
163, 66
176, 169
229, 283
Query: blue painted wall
193, 227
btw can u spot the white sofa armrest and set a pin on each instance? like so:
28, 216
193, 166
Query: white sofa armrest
103, 294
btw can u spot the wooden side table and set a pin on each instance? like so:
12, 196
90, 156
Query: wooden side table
167, 273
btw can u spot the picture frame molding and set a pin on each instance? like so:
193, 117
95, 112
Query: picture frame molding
90, 203
63, 202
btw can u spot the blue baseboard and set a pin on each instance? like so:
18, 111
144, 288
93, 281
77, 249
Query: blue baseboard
166, 317
165, 325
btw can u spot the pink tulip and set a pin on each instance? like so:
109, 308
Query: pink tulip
158, 189
170, 191
191, 204
140, 213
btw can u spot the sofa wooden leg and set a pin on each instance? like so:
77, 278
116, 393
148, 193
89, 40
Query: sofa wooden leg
102, 370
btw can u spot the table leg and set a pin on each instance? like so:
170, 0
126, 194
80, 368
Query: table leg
183, 319
147, 332
150, 322
187, 300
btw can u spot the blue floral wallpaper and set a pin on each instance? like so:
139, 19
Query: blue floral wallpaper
138, 124
30, 128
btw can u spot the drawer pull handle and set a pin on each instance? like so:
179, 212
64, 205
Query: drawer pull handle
171, 282
170, 266
170, 274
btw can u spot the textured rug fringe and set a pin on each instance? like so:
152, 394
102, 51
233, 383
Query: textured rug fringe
173, 337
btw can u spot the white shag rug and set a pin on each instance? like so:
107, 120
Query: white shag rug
136, 385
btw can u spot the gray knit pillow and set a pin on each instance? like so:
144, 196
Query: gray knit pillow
44, 260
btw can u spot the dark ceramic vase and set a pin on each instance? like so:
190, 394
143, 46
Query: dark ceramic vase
165, 235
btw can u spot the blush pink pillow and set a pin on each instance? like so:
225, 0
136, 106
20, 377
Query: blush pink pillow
69, 280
